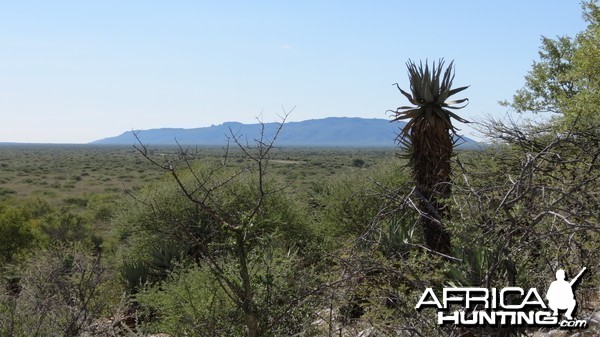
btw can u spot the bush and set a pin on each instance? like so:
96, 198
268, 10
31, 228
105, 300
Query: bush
358, 163
17, 234
65, 226
245, 259
60, 293
349, 204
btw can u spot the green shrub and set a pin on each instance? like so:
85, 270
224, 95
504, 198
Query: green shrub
6, 191
60, 293
358, 163
193, 303
77, 202
231, 241
65, 226
17, 234
349, 204
167, 215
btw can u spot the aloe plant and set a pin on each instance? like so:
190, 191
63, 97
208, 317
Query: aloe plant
135, 275
397, 235
155, 266
429, 136
163, 259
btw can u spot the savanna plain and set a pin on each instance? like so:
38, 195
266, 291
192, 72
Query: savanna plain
107, 241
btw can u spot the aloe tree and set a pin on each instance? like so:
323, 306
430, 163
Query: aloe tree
428, 136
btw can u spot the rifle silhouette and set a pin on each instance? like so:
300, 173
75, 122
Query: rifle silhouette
576, 277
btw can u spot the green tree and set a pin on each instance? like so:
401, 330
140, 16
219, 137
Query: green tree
16, 234
428, 136
566, 79
237, 225
549, 172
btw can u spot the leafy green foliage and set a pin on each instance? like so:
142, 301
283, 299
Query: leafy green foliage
135, 275
60, 293
16, 234
358, 162
193, 303
332, 253
566, 80
209, 216
548, 84
65, 226
191, 300
398, 233
348, 204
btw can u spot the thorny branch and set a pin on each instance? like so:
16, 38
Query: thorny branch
239, 289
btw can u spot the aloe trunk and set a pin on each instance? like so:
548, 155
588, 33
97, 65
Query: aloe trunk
428, 135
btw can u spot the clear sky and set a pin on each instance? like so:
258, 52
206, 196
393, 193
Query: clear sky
77, 71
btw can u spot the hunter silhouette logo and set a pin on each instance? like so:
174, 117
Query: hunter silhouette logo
471, 306
560, 294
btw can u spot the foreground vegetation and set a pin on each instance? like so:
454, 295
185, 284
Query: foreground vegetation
334, 247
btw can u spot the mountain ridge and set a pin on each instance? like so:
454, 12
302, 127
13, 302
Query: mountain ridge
329, 131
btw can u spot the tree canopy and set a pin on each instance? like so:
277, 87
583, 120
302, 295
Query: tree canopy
566, 79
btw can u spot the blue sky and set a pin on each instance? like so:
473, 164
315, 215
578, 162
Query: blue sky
77, 71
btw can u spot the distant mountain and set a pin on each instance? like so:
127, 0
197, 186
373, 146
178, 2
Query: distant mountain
332, 131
